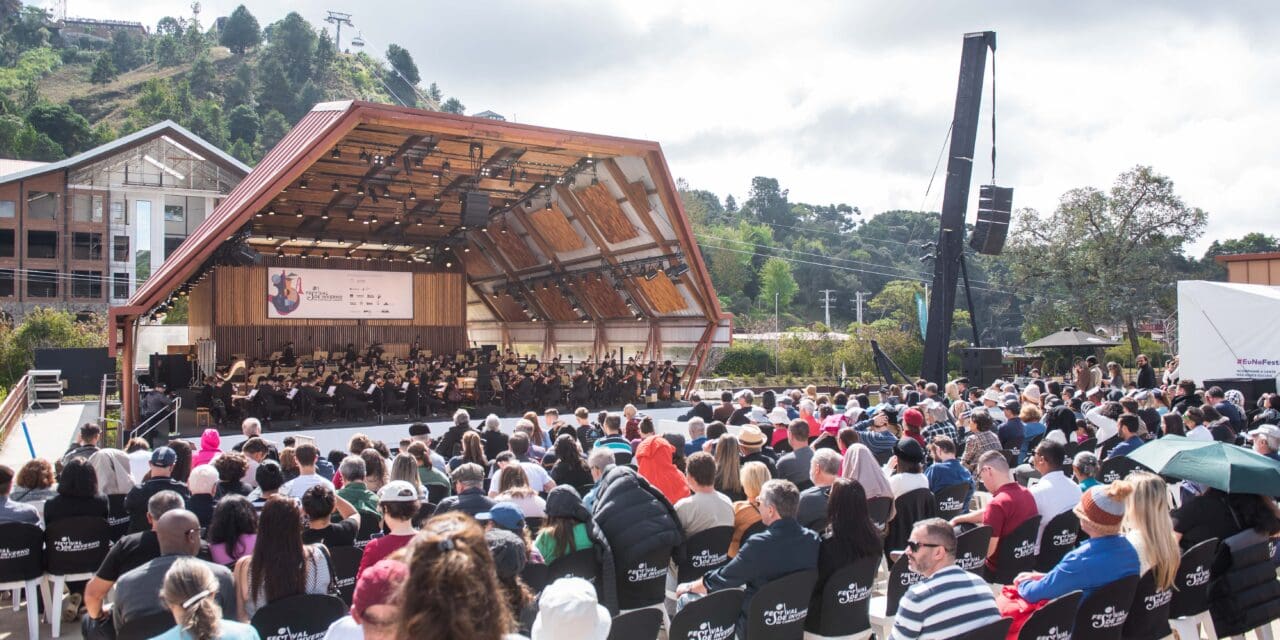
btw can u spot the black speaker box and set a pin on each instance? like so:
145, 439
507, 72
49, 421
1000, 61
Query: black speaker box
981, 366
172, 370
475, 209
995, 205
1251, 388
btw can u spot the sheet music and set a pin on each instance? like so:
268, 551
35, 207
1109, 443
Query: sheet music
292, 392
371, 388
332, 389
252, 394
404, 387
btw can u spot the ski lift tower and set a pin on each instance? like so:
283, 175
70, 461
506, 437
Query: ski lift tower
338, 19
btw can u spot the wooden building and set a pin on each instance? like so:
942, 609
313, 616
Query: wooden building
549, 242
1252, 268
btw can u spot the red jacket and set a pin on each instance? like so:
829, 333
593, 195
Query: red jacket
654, 460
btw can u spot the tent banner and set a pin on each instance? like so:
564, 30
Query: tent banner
1224, 331
339, 294
922, 312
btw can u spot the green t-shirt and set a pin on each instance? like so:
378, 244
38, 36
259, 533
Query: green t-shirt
359, 496
430, 475
546, 543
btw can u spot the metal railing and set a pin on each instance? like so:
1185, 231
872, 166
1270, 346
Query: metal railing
14, 406
145, 427
108, 399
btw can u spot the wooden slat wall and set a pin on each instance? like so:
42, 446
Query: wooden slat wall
512, 246
601, 297
200, 311
555, 229
478, 266
556, 305
238, 317
600, 205
662, 293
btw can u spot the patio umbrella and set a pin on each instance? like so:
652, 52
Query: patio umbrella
1215, 464
1071, 338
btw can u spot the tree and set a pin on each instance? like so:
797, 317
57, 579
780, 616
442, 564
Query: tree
326, 53
274, 128
309, 96
126, 51
730, 204
767, 201
63, 125
1254, 242
403, 78
204, 81
275, 91
453, 105
206, 122
1110, 254
19, 140
243, 124
238, 90
168, 51
776, 279
44, 328
169, 26
241, 32
434, 93
243, 151
104, 70
293, 43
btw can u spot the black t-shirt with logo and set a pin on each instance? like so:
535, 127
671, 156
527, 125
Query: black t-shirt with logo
340, 534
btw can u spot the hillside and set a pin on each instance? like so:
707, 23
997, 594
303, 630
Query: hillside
238, 85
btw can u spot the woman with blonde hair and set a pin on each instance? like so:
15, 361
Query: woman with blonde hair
405, 467
728, 467
747, 512
958, 408
513, 486
190, 591
452, 592
1149, 527
952, 391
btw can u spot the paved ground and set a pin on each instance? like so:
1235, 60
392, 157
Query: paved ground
52, 430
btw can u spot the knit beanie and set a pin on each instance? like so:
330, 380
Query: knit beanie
1103, 508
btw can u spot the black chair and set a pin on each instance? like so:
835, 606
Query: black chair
148, 626
1190, 606
642, 581
1053, 620
971, 549
777, 611
1089, 444
579, 564
370, 523
1015, 552
1105, 447
1149, 614
997, 630
436, 493
343, 564
535, 576
952, 501
909, 508
307, 615
713, 616
1102, 615
704, 551
846, 600
1071, 449
1059, 538
884, 608
758, 527
22, 567
534, 524
636, 625
1117, 468
878, 509
74, 548
622, 458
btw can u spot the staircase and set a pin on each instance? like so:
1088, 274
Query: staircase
44, 388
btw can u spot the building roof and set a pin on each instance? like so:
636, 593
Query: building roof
165, 128
575, 222
1243, 257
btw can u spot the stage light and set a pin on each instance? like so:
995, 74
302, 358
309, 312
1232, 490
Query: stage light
258, 214
373, 219
386, 192
441, 223
271, 211
335, 187
293, 238
324, 215
304, 255
650, 273
585, 319
297, 212
417, 222
466, 249
360, 189
303, 184
448, 264
389, 160
548, 205
351, 216
396, 221
639, 316
335, 154
271, 236
364, 156
413, 195
435, 198
677, 270
324, 256
417, 162
445, 167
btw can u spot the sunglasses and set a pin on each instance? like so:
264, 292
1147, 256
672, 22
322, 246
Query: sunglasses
915, 546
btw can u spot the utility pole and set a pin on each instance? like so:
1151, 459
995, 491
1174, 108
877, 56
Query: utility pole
338, 19
826, 303
776, 335
859, 295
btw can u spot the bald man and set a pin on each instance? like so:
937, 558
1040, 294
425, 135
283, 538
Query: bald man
178, 532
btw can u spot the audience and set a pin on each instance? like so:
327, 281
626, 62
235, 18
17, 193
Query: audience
77, 494
946, 471
849, 536
569, 608
233, 530
1011, 504
397, 504
1055, 493
725, 448
509, 558
906, 467
655, 462
129, 552
375, 604
164, 461
452, 590
1149, 528
704, 508
746, 512
824, 469
513, 486
319, 504
34, 483
307, 456
11, 511
193, 593
469, 497
948, 601
280, 565
232, 467
794, 465
203, 484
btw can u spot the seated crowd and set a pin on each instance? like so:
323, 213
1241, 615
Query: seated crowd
457, 534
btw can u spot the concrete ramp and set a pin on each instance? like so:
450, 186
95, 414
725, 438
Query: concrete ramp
52, 431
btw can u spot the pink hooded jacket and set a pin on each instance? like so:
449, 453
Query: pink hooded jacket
210, 442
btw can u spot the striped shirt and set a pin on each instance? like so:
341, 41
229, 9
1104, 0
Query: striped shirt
950, 602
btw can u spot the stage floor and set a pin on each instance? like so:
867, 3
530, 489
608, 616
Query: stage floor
334, 436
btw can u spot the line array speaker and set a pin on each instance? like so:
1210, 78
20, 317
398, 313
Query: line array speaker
475, 209
995, 205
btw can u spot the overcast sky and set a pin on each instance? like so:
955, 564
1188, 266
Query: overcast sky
849, 101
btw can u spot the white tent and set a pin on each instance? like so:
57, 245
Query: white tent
1228, 330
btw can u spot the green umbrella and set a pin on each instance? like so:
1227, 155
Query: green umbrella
1214, 464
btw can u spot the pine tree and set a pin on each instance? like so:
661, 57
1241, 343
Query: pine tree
243, 124
204, 81
104, 70
453, 105
241, 31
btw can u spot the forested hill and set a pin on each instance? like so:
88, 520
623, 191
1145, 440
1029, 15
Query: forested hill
238, 84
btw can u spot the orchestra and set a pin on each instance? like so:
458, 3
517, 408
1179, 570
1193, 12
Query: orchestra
350, 386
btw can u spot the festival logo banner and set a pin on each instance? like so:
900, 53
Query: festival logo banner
339, 294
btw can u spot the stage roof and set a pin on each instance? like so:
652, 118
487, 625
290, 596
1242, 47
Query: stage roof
576, 227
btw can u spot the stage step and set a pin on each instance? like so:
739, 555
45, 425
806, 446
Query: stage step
45, 387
